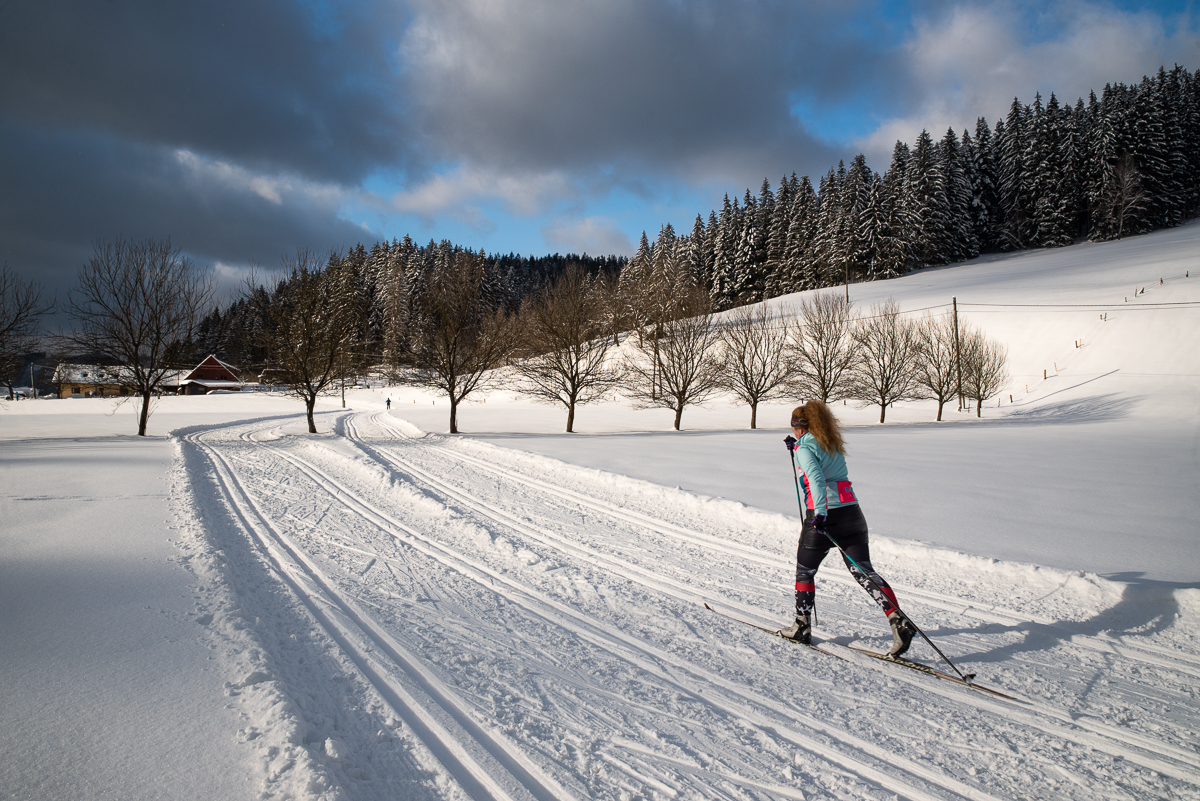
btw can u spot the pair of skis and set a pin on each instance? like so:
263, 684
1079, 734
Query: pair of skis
960, 679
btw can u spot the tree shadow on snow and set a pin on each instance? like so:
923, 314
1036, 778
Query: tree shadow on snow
1146, 607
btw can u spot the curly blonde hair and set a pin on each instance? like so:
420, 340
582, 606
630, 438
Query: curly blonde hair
822, 425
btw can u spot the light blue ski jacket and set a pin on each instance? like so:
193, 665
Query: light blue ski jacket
826, 481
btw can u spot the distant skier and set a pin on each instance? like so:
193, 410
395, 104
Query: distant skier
832, 509
388, 403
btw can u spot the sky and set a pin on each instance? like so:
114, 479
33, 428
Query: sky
243, 131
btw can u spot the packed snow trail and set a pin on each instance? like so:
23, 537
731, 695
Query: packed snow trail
513, 628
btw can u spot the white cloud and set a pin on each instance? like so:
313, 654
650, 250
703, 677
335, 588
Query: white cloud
276, 189
458, 191
975, 59
587, 235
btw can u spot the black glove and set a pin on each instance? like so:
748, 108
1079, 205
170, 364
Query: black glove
818, 523
790, 442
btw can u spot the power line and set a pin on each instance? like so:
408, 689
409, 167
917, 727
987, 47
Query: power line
1091, 306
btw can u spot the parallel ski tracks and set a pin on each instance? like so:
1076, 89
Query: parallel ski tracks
1112, 739
440, 720
362, 638
1143, 652
873, 763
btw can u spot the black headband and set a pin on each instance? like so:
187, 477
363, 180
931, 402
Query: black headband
799, 422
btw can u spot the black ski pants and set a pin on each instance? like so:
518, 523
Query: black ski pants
848, 527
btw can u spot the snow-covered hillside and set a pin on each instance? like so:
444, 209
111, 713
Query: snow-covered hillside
378, 612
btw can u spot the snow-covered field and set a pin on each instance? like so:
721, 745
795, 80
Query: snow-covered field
242, 610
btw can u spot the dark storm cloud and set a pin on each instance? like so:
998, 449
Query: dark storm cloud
266, 82
76, 188
97, 98
695, 89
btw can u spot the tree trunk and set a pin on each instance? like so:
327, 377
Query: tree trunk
882, 411
144, 417
941, 403
979, 408
309, 402
753, 416
571, 418
453, 415
678, 415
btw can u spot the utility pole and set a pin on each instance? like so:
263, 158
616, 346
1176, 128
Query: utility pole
957, 355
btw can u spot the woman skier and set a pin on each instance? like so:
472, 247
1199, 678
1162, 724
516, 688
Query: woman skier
832, 511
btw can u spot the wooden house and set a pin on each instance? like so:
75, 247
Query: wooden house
211, 374
92, 381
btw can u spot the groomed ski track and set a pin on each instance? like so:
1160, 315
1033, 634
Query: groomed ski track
539, 632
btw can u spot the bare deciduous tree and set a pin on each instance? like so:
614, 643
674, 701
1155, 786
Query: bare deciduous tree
681, 366
935, 367
756, 355
1124, 200
307, 331
823, 348
883, 366
985, 367
21, 309
566, 336
139, 304
460, 341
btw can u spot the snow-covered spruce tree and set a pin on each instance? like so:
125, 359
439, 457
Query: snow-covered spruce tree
1151, 149
885, 349
984, 367
460, 340
961, 239
777, 236
725, 242
747, 263
926, 206
139, 305
1189, 99
307, 333
800, 270
822, 348
700, 254
1099, 163
855, 197
567, 346
826, 248
986, 215
936, 366
684, 368
893, 246
1053, 179
1012, 142
756, 354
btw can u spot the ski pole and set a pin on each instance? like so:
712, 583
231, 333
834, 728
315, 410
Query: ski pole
877, 592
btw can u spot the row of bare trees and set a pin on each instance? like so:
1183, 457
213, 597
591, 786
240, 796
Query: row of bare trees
681, 354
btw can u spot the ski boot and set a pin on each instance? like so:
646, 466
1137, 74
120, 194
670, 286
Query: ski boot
800, 631
902, 634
